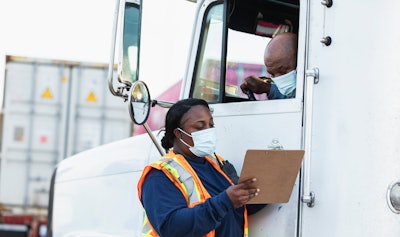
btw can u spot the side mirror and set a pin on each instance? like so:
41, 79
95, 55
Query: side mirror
129, 46
127, 20
139, 102
139, 108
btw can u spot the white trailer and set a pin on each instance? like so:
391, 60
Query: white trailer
52, 110
345, 116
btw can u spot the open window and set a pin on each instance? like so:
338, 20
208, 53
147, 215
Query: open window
232, 49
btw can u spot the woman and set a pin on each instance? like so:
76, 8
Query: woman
187, 193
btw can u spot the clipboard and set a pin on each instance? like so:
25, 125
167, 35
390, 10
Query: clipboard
276, 172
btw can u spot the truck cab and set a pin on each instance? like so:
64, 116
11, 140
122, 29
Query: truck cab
348, 179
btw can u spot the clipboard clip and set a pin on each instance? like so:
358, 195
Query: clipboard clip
275, 145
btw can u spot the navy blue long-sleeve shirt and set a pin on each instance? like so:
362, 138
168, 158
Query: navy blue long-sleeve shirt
275, 94
169, 215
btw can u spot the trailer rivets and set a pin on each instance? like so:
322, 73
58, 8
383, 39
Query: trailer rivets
393, 197
326, 40
327, 3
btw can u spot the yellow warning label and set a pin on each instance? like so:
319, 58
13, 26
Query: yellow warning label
47, 94
64, 79
91, 97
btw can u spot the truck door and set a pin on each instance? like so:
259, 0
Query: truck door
228, 45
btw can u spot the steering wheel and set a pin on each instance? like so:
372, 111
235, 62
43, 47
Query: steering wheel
250, 95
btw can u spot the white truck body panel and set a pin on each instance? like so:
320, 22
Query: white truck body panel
80, 203
355, 131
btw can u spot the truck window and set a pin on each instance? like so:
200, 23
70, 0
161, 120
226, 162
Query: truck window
250, 29
244, 58
208, 72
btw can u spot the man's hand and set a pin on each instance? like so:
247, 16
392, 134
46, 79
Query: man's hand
241, 193
255, 85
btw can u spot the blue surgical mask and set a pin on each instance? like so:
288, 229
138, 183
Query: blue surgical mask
205, 142
286, 83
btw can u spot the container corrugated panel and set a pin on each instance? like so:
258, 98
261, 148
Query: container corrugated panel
52, 110
99, 117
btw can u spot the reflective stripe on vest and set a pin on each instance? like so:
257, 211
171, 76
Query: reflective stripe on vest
147, 231
174, 167
186, 180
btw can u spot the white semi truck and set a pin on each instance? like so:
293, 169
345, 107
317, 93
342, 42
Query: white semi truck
345, 115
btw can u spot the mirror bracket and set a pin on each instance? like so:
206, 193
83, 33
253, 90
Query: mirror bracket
110, 75
162, 104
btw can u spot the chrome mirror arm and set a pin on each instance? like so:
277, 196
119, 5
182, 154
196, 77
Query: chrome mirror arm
110, 75
153, 139
162, 104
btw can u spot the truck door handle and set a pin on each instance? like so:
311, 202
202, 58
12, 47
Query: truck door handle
312, 77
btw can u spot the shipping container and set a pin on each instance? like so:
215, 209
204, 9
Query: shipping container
52, 110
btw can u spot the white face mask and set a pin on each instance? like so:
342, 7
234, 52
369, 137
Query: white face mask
205, 142
286, 83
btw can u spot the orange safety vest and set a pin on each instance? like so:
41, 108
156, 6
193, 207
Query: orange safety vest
182, 175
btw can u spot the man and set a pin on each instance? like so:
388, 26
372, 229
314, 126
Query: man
280, 58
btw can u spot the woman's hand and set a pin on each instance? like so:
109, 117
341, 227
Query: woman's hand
242, 193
